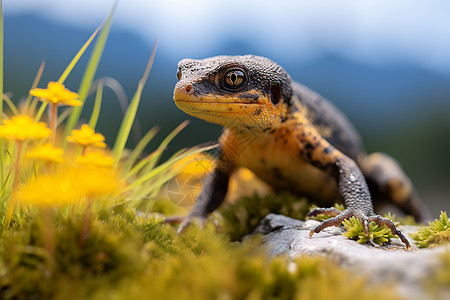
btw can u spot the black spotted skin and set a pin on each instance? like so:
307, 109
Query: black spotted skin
290, 137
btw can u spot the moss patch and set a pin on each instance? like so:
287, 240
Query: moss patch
243, 216
128, 257
380, 235
436, 233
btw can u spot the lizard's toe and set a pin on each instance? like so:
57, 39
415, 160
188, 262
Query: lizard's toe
332, 212
339, 216
380, 221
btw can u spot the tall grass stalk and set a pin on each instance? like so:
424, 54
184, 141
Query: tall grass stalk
30, 106
69, 69
97, 105
90, 71
130, 115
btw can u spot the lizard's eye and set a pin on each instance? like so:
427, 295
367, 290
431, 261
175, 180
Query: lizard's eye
179, 73
234, 79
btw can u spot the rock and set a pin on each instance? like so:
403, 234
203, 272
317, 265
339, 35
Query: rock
383, 264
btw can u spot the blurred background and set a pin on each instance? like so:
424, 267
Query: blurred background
385, 64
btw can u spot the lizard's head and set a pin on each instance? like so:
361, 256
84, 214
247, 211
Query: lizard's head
250, 91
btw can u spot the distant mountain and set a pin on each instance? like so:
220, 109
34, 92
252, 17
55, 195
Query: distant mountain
366, 92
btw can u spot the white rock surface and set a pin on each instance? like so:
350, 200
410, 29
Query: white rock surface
393, 263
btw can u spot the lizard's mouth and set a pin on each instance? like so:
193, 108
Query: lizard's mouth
227, 106
207, 101
252, 107
221, 109
216, 103
248, 98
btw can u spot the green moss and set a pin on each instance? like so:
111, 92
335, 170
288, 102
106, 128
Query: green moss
243, 216
437, 232
243, 272
128, 257
380, 235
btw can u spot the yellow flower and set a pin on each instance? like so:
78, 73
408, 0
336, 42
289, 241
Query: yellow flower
47, 153
98, 159
86, 136
22, 127
48, 190
56, 93
95, 182
69, 186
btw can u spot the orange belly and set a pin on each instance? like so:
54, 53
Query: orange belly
275, 158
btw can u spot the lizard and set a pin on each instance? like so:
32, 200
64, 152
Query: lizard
290, 137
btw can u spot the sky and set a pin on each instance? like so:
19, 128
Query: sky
371, 31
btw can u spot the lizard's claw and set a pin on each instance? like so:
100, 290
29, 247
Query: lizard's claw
339, 216
336, 220
380, 221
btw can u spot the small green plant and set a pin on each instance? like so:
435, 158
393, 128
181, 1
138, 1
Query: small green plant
436, 233
243, 216
380, 235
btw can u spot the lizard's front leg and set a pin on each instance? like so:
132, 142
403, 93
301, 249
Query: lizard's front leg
351, 183
214, 190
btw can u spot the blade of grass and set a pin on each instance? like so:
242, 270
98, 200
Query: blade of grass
150, 161
130, 115
162, 179
164, 166
69, 69
153, 186
77, 57
11, 105
165, 143
142, 163
62, 116
131, 160
30, 106
97, 105
90, 71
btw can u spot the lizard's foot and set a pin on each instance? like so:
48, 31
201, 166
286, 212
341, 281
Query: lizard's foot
185, 222
339, 216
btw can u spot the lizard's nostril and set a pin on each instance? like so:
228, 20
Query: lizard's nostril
188, 88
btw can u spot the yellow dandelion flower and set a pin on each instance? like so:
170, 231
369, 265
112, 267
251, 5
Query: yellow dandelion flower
47, 153
97, 159
48, 190
95, 182
56, 93
86, 136
22, 127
